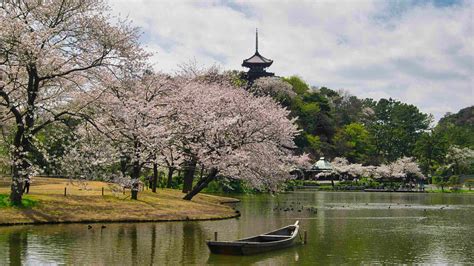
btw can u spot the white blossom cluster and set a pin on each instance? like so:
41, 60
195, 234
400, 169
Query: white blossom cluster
402, 169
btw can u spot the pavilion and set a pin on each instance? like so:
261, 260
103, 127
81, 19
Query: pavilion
322, 166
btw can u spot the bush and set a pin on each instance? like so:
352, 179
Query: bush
369, 183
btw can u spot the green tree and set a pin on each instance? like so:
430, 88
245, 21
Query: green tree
430, 151
345, 108
458, 128
314, 118
353, 142
440, 181
396, 127
299, 85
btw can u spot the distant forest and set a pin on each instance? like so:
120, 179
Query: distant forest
335, 123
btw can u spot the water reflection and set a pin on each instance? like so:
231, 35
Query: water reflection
350, 228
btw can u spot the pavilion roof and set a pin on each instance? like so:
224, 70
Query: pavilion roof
322, 164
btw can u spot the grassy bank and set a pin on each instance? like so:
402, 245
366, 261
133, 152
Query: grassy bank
84, 202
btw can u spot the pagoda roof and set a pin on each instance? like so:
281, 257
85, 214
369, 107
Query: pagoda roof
257, 60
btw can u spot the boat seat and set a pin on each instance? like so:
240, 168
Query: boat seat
272, 237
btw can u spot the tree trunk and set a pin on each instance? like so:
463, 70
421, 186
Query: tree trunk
170, 177
202, 184
189, 175
16, 193
155, 177
18, 178
23, 135
135, 176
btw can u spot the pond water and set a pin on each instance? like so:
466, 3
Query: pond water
347, 227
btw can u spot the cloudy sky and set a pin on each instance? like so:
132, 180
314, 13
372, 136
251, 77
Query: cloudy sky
416, 51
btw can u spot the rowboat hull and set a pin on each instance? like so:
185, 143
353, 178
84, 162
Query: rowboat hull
278, 239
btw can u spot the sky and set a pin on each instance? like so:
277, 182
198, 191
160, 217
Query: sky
417, 51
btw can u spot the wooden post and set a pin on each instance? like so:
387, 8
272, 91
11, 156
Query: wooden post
102, 191
305, 237
65, 191
215, 236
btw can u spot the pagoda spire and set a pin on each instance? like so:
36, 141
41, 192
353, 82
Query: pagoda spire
256, 40
257, 63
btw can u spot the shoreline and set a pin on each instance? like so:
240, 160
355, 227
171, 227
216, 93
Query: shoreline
85, 203
118, 221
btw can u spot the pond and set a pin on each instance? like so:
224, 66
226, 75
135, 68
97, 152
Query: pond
343, 227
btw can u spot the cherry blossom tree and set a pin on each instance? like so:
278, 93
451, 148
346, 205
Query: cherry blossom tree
460, 160
274, 87
342, 168
232, 133
91, 156
404, 169
49, 50
130, 113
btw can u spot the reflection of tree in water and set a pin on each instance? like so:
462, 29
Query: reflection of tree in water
18, 243
153, 243
21, 245
192, 240
133, 239
188, 242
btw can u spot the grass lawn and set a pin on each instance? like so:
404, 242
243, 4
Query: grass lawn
84, 202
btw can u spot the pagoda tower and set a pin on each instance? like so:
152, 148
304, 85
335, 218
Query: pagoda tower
257, 64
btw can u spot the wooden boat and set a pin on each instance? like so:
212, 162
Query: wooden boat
280, 238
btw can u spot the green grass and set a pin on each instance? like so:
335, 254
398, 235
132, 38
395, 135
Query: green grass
26, 202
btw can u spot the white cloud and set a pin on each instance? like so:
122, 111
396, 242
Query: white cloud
418, 53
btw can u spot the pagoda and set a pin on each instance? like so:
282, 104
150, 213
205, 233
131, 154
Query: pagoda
257, 64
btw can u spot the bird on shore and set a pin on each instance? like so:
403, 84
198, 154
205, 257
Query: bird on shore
103, 226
